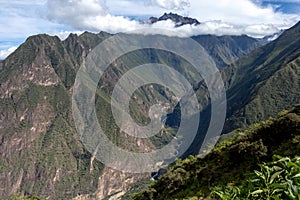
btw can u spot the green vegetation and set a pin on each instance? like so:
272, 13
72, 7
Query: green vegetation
223, 171
275, 180
258, 85
264, 82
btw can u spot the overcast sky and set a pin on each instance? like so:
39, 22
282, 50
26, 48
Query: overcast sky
22, 18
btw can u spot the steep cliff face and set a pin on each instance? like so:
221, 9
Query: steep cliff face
264, 82
113, 185
41, 153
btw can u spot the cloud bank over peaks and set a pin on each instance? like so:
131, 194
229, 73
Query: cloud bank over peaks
60, 17
216, 27
219, 17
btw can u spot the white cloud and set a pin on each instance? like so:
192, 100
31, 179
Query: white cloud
133, 8
261, 29
20, 19
172, 4
210, 27
89, 15
76, 12
146, 7
7, 52
64, 34
241, 12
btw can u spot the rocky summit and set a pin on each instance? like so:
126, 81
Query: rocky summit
177, 19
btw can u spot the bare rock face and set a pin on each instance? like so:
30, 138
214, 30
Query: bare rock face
112, 183
115, 182
41, 153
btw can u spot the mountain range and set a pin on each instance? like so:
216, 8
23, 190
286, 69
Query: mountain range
41, 152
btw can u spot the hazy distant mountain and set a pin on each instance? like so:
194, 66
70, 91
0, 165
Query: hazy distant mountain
227, 49
270, 38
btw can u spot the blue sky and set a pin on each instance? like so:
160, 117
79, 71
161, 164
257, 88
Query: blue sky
292, 7
22, 18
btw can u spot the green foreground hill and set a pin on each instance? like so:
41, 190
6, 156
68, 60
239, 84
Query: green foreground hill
231, 161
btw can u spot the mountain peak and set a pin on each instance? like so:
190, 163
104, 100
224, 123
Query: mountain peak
178, 19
